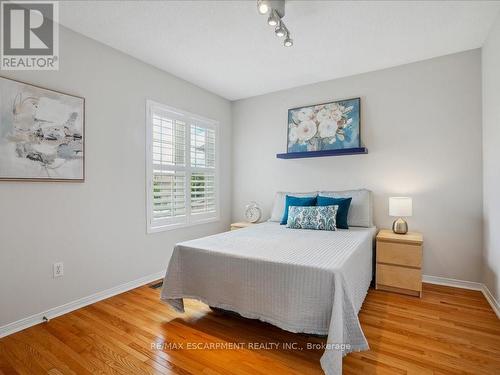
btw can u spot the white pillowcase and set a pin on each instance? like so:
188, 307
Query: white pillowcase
279, 203
361, 208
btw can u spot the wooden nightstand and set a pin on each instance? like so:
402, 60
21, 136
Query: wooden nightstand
240, 225
399, 262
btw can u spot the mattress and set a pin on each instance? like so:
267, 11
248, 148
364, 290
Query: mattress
302, 281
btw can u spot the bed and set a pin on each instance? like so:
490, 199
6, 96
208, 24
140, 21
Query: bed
303, 281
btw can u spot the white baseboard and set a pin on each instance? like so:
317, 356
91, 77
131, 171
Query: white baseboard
32, 320
465, 285
493, 302
452, 282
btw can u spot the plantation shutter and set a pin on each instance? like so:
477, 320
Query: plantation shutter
182, 174
202, 156
169, 162
169, 198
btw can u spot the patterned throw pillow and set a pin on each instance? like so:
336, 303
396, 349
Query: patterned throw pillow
312, 217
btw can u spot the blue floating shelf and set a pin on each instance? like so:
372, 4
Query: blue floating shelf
316, 154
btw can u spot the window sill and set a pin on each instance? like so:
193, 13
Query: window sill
168, 227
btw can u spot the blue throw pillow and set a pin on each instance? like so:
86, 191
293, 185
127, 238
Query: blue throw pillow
342, 212
298, 202
315, 217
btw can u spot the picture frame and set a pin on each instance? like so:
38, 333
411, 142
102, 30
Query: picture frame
330, 126
42, 133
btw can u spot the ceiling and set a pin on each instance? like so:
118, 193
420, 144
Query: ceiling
226, 47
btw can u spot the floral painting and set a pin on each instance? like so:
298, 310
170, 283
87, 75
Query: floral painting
329, 126
41, 133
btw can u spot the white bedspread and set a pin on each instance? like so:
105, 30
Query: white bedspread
299, 280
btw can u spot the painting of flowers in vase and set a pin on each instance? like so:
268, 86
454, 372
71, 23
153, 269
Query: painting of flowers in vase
328, 126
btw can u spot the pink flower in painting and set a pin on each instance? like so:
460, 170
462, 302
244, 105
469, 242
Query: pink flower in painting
306, 130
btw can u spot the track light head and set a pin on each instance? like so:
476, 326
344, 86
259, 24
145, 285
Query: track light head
263, 6
273, 19
280, 30
288, 42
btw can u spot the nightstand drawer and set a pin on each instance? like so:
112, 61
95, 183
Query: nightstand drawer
399, 254
399, 277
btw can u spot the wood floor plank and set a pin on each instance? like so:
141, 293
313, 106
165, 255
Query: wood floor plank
65, 354
19, 357
447, 331
6, 368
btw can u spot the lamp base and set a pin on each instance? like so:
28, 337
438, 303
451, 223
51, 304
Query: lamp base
400, 226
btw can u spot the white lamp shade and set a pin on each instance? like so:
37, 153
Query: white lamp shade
400, 206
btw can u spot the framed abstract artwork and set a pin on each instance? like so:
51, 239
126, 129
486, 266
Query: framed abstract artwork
328, 126
42, 133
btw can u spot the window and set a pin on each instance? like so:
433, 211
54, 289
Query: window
181, 168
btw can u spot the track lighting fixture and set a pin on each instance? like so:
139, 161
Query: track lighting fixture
276, 10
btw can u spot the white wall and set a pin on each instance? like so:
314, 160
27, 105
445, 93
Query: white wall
422, 125
98, 228
491, 160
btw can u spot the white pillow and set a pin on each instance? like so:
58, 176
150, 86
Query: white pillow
279, 203
361, 209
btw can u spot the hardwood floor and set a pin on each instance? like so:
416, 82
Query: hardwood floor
448, 331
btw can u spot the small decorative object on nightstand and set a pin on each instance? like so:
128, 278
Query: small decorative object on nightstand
240, 225
400, 207
399, 262
252, 212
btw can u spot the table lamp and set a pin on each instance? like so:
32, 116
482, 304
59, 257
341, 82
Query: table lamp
400, 207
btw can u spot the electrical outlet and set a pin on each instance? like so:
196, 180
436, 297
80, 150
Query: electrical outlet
58, 269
